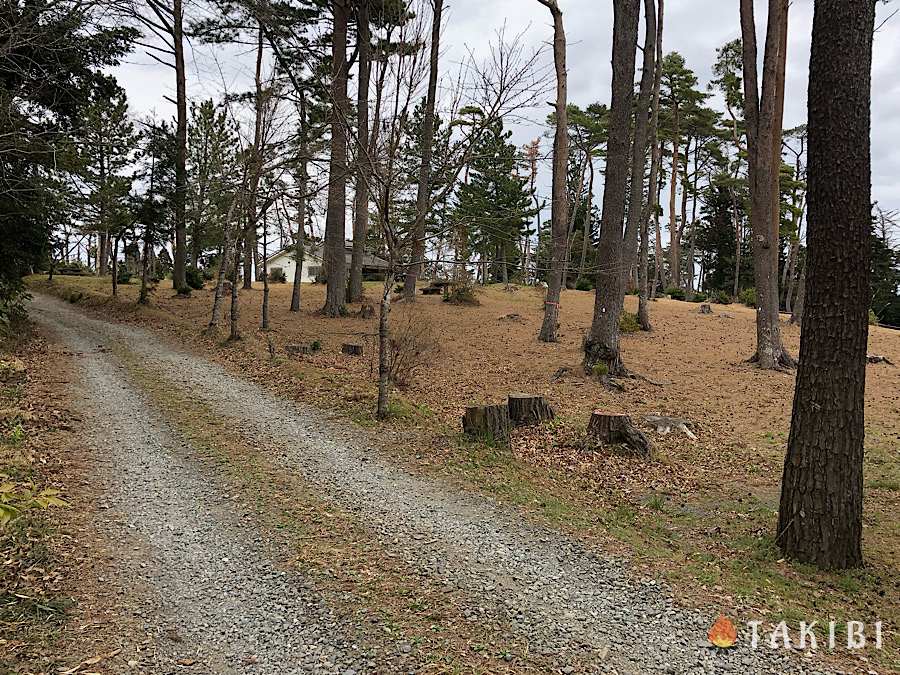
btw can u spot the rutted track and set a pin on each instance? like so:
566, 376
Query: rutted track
573, 605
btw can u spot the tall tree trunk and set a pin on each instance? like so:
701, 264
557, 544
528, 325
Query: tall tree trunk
677, 264
423, 194
102, 253
179, 278
652, 209
335, 261
586, 238
251, 249
659, 263
735, 217
235, 328
820, 515
642, 126
573, 214
797, 312
763, 118
265, 275
144, 298
384, 335
363, 153
691, 262
558, 210
674, 254
302, 183
787, 274
230, 234
601, 347
115, 266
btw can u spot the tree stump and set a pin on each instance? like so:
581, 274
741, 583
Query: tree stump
352, 350
615, 429
706, 308
487, 422
296, 350
525, 409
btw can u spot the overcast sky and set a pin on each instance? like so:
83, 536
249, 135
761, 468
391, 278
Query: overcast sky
695, 28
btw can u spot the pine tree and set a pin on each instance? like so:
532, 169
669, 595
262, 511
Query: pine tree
106, 146
495, 204
212, 164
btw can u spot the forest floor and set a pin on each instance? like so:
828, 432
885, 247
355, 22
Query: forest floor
699, 516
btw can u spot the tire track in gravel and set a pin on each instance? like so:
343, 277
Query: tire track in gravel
572, 604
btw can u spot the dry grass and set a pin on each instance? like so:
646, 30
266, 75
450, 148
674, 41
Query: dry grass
701, 514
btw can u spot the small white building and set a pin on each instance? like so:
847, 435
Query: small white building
373, 266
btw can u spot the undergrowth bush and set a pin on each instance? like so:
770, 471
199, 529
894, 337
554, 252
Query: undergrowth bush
584, 284
698, 297
411, 346
873, 318
123, 276
721, 298
277, 276
193, 277
628, 323
12, 304
462, 294
748, 297
675, 293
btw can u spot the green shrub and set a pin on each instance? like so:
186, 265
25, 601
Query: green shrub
15, 436
193, 276
675, 293
873, 318
748, 297
74, 269
461, 294
628, 323
277, 276
599, 370
584, 284
721, 298
16, 498
123, 276
316, 346
698, 297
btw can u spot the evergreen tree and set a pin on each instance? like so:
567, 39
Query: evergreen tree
212, 164
106, 146
41, 94
154, 207
495, 204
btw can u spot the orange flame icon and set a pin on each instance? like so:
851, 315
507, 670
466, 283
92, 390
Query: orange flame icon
722, 633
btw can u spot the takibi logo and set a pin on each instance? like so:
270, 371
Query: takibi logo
723, 634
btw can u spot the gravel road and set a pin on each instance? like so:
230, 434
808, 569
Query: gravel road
215, 581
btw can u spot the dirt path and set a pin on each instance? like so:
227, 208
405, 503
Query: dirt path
213, 579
